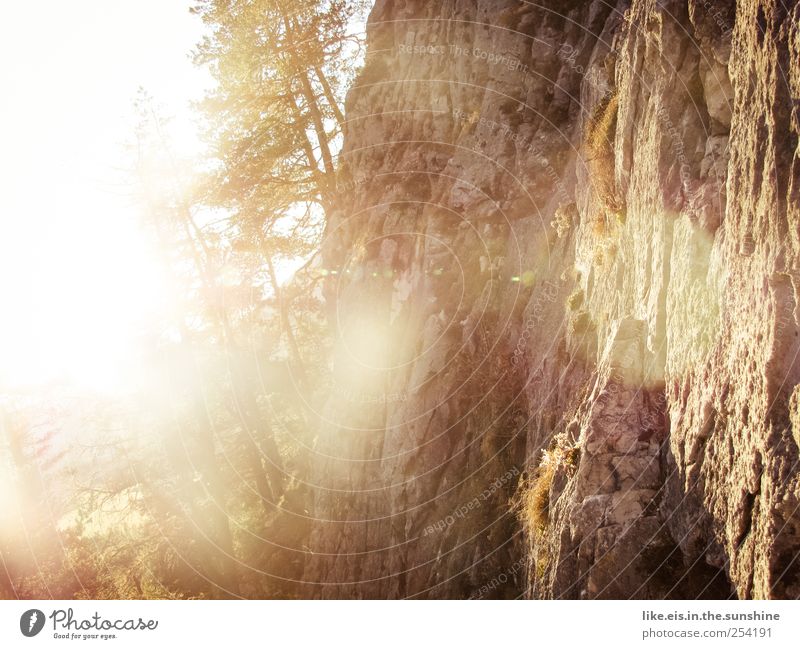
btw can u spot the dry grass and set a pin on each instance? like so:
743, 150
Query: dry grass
533, 498
532, 506
535, 511
532, 503
601, 131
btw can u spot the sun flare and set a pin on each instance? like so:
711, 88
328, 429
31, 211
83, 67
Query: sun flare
75, 299
78, 278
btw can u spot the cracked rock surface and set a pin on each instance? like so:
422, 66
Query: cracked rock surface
566, 223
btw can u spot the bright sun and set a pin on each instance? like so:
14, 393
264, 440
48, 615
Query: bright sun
75, 295
76, 279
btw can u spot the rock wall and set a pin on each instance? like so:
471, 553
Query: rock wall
564, 282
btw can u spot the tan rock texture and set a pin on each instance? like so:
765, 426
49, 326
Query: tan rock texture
565, 260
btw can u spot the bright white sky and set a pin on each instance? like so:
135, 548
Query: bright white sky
75, 275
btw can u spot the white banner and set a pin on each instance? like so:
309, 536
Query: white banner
380, 625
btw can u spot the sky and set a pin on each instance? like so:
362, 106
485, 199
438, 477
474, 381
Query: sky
76, 278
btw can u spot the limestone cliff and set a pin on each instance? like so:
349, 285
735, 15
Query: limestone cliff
564, 282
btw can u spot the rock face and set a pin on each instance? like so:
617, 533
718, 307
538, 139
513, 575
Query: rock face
564, 281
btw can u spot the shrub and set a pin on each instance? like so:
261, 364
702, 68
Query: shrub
537, 499
564, 218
